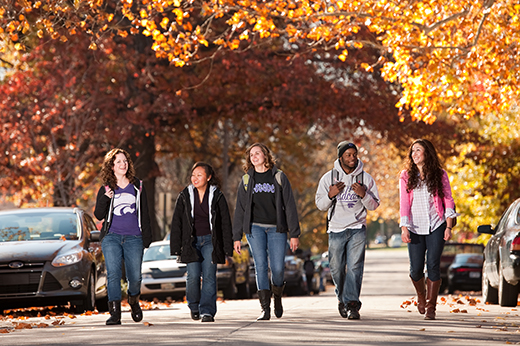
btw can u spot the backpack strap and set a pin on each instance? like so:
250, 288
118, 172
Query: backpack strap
278, 177
335, 200
245, 180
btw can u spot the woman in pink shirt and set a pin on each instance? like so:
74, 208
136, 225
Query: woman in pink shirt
427, 211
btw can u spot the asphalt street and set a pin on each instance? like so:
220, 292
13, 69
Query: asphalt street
388, 317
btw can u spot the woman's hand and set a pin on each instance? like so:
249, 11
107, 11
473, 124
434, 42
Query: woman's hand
238, 246
447, 233
109, 193
294, 243
405, 235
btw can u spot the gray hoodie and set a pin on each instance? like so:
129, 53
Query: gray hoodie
350, 210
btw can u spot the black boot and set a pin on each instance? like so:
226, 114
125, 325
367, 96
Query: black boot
137, 313
265, 302
277, 297
115, 312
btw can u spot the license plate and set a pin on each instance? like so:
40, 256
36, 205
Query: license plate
474, 275
167, 286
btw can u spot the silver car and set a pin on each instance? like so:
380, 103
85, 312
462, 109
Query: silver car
162, 275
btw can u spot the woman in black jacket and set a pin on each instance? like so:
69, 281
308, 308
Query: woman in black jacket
266, 212
201, 236
121, 204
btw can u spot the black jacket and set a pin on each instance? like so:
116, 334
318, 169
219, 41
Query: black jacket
104, 209
286, 211
182, 233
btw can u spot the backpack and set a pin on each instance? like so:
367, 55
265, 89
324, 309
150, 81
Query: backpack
277, 176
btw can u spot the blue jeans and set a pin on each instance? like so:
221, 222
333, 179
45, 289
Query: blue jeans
116, 249
202, 300
264, 241
347, 261
430, 245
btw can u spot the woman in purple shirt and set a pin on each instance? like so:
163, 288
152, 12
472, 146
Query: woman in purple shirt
126, 231
427, 211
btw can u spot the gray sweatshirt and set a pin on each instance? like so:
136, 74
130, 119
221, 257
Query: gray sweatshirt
350, 210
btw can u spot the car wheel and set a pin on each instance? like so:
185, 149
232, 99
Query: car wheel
230, 292
489, 293
243, 290
89, 301
507, 293
451, 289
102, 304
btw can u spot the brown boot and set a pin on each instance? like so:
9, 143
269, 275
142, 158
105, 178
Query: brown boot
431, 301
420, 289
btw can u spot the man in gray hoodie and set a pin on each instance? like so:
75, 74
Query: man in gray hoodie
347, 192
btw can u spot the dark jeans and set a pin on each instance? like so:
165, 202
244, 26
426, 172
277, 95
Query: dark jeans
202, 299
429, 246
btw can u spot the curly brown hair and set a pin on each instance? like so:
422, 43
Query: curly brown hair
107, 171
432, 169
270, 160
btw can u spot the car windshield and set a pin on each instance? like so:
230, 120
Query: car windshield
469, 259
158, 253
38, 226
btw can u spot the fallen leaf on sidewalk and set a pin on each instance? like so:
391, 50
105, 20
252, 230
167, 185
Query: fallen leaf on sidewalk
148, 324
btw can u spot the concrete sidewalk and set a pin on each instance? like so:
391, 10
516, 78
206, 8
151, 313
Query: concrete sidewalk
386, 319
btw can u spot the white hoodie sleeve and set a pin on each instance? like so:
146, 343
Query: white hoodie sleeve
371, 199
323, 202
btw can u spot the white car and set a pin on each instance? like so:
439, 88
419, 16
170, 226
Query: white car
162, 275
395, 241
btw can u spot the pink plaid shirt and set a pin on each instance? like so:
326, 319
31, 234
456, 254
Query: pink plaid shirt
422, 212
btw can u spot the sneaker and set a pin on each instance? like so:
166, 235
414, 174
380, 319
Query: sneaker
353, 310
195, 315
342, 310
207, 318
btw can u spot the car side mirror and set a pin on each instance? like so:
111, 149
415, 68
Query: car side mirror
94, 235
486, 229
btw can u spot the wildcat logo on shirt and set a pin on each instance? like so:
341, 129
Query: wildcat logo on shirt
124, 204
348, 197
265, 187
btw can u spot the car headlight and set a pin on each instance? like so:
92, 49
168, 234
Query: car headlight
146, 275
67, 258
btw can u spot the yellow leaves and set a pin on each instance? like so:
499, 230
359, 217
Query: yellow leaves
93, 46
143, 13
234, 44
164, 23
343, 55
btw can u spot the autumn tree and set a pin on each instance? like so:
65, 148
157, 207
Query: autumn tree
452, 59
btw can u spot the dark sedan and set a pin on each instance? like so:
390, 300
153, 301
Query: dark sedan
464, 273
501, 271
51, 256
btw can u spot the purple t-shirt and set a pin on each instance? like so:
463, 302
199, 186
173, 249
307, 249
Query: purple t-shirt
124, 216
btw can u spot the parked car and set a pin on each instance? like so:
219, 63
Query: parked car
501, 272
395, 241
51, 256
234, 276
162, 275
451, 249
465, 272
